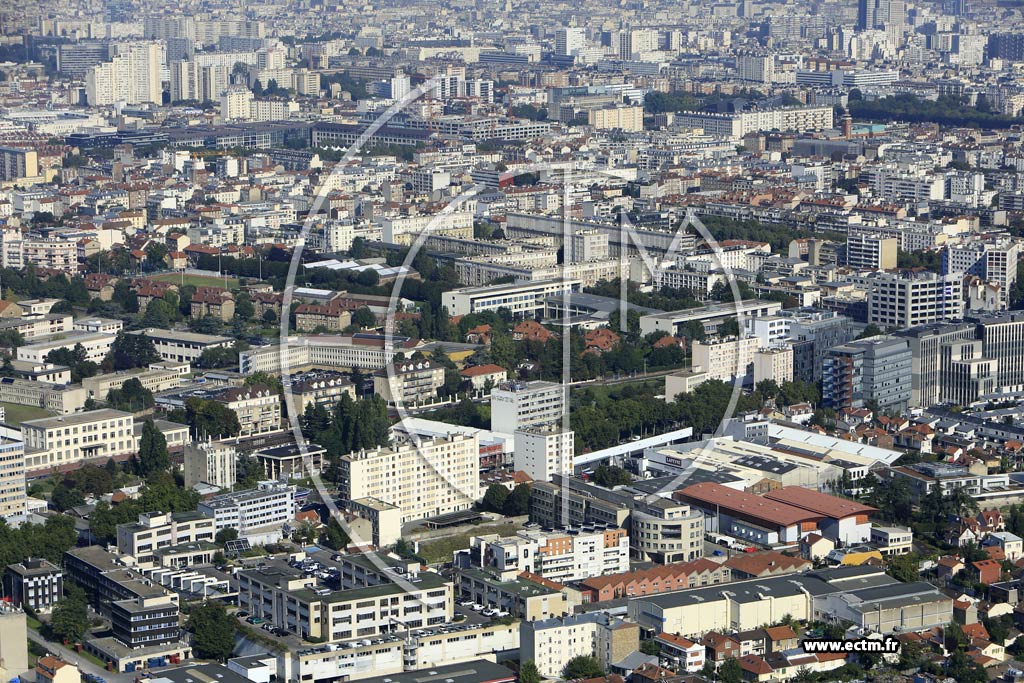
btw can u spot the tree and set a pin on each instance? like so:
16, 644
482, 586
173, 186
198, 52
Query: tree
159, 313
155, 253
730, 671
905, 568
225, 535
650, 647
871, 330
495, 498
213, 631
244, 308
153, 455
209, 418
528, 673
586, 666
364, 317
518, 502
130, 351
334, 537
132, 397
610, 476
70, 618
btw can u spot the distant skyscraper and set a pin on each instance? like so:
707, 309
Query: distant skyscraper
132, 76
878, 13
568, 41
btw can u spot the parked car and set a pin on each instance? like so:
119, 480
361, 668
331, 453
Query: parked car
241, 613
490, 612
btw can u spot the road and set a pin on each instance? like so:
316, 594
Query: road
84, 665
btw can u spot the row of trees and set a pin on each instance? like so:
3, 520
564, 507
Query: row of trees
351, 426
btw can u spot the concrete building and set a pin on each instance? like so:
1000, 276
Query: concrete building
906, 299
183, 347
521, 299
18, 163
551, 643
627, 119
868, 372
712, 315
870, 251
210, 462
96, 347
515, 405
55, 443
159, 530
565, 555
774, 363
258, 513
409, 383
425, 479
289, 599
544, 450
131, 76
34, 583
725, 359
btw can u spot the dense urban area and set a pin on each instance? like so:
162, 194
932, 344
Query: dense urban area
508, 341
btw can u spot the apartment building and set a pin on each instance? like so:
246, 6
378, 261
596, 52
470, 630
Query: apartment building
366, 352
158, 530
544, 450
96, 347
57, 253
773, 363
1002, 340
906, 299
725, 359
53, 443
322, 388
183, 347
434, 477
410, 382
874, 371
18, 163
515, 405
405, 229
146, 621
524, 299
736, 125
257, 406
210, 462
521, 594
994, 260
289, 599
260, 511
666, 531
568, 555
551, 643
871, 251
34, 583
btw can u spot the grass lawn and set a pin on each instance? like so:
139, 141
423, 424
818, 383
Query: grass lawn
441, 549
15, 414
196, 280
33, 623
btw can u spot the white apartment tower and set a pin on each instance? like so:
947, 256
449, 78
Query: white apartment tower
515, 405
132, 76
544, 451
570, 40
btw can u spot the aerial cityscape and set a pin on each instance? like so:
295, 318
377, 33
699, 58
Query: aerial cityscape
502, 341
